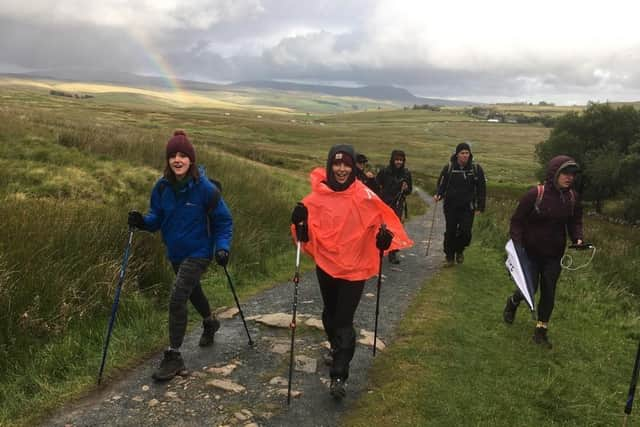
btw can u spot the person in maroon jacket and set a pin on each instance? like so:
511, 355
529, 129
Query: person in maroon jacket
540, 225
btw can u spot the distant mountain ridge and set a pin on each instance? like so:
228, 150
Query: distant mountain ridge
380, 93
390, 93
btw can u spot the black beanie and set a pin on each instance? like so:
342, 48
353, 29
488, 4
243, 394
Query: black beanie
463, 146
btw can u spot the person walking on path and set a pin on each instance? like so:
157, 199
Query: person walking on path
395, 185
196, 225
367, 177
462, 186
540, 224
339, 223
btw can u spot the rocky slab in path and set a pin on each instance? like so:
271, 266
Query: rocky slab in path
254, 390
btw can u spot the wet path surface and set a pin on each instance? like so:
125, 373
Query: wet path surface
259, 372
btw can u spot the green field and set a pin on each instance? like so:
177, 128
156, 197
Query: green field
72, 168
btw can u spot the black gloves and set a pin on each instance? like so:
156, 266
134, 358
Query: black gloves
299, 218
136, 220
299, 214
383, 238
222, 257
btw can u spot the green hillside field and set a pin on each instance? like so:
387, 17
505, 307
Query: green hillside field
72, 168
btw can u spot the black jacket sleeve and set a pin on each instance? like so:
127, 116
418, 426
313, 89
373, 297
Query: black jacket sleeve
443, 181
407, 177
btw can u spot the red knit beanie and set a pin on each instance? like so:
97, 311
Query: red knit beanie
180, 142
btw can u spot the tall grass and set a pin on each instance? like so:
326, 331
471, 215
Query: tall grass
65, 189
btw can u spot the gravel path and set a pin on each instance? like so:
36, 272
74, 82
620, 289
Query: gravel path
196, 399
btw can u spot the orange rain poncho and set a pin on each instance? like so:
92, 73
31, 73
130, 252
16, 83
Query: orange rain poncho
343, 227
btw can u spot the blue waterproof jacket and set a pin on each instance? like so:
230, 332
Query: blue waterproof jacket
195, 222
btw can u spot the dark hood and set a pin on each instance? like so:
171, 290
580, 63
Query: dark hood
554, 167
331, 182
397, 153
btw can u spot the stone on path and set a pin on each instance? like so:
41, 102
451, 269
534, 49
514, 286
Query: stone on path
369, 295
153, 402
305, 364
277, 320
315, 323
278, 381
223, 370
367, 339
294, 393
226, 385
228, 313
280, 348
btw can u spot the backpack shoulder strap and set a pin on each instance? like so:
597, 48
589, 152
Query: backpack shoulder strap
539, 197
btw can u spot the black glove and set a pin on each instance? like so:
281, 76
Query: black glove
299, 214
383, 239
299, 218
136, 220
222, 257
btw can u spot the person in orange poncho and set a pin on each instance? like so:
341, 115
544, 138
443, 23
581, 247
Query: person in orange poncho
339, 224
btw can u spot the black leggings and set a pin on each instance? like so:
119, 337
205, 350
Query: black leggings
341, 298
546, 271
187, 287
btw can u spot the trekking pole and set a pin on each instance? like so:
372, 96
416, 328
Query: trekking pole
292, 325
235, 297
433, 220
116, 301
383, 227
632, 387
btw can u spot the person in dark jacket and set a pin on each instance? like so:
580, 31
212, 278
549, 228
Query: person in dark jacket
395, 185
367, 177
540, 225
462, 185
196, 225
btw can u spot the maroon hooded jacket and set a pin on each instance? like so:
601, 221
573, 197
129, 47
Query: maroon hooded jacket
542, 230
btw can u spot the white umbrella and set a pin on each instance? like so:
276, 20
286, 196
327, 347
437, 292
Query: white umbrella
518, 265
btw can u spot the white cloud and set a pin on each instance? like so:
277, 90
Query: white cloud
150, 15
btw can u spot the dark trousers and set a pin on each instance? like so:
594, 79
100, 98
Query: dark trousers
341, 298
186, 287
457, 235
546, 271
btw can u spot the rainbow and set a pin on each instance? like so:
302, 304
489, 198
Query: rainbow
156, 60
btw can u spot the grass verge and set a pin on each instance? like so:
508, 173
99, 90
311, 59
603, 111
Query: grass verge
456, 363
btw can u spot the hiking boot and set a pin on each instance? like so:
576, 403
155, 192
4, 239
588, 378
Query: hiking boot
393, 257
509, 313
459, 257
209, 328
337, 389
450, 262
170, 366
540, 337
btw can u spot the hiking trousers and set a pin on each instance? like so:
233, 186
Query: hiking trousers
457, 235
546, 271
341, 298
186, 287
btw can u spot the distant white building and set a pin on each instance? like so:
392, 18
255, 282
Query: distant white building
493, 120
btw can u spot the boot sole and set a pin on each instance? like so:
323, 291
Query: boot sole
180, 372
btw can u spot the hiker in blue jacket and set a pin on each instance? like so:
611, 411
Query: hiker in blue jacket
196, 226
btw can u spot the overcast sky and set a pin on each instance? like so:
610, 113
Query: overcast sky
563, 51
